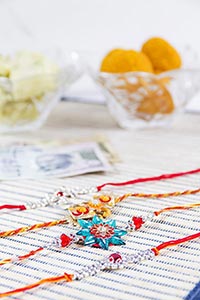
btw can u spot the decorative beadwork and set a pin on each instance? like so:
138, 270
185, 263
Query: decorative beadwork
62, 241
81, 211
133, 224
62, 195
113, 262
137, 222
99, 233
115, 257
87, 210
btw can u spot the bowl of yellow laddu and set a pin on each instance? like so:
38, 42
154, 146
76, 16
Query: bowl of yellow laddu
146, 88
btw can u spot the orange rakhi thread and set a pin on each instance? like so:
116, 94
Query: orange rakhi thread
20, 258
87, 210
91, 233
62, 241
114, 261
32, 228
138, 221
65, 277
105, 203
158, 195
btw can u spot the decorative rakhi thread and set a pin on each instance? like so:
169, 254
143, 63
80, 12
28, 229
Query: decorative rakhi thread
148, 179
64, 194
105, 203
89, 209
13, 207
68, 220
62, 241
138, 221
159, 195
98, 233
114, 261
118, 199
25, 229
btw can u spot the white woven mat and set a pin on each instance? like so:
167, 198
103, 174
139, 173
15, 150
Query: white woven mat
169, 276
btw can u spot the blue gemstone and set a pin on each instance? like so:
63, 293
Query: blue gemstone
103, 243
83, 232
90, 240
112, 223
96, 220
84, 224
120, 232
117, 241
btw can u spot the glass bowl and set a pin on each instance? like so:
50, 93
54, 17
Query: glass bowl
26, 102
141, 99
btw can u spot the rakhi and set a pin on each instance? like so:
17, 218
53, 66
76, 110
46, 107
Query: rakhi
98, 233
63, 194
114, 261
88, 210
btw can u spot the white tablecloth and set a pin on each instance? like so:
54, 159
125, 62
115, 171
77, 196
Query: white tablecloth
143, 153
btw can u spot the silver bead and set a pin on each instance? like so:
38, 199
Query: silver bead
120, 266
28, 205
80, 276
92, 189
150, 216
75, 277
92, 272
134, 258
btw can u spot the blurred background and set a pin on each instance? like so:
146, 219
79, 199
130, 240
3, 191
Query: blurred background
97, 25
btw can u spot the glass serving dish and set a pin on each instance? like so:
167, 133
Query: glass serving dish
140, 99
26, 102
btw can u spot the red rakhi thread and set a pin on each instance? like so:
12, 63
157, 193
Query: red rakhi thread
113, 262
64, 193
15, 207
147, 179
175, 242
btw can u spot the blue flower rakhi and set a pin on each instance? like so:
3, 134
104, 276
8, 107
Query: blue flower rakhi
100, 233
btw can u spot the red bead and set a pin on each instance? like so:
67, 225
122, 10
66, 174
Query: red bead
138, 221
65, 240
115, 257
60, 194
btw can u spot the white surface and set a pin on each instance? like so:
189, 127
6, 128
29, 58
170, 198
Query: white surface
97, 25
143, 153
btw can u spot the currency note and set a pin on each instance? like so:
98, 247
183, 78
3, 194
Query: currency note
35, 161
103, 141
